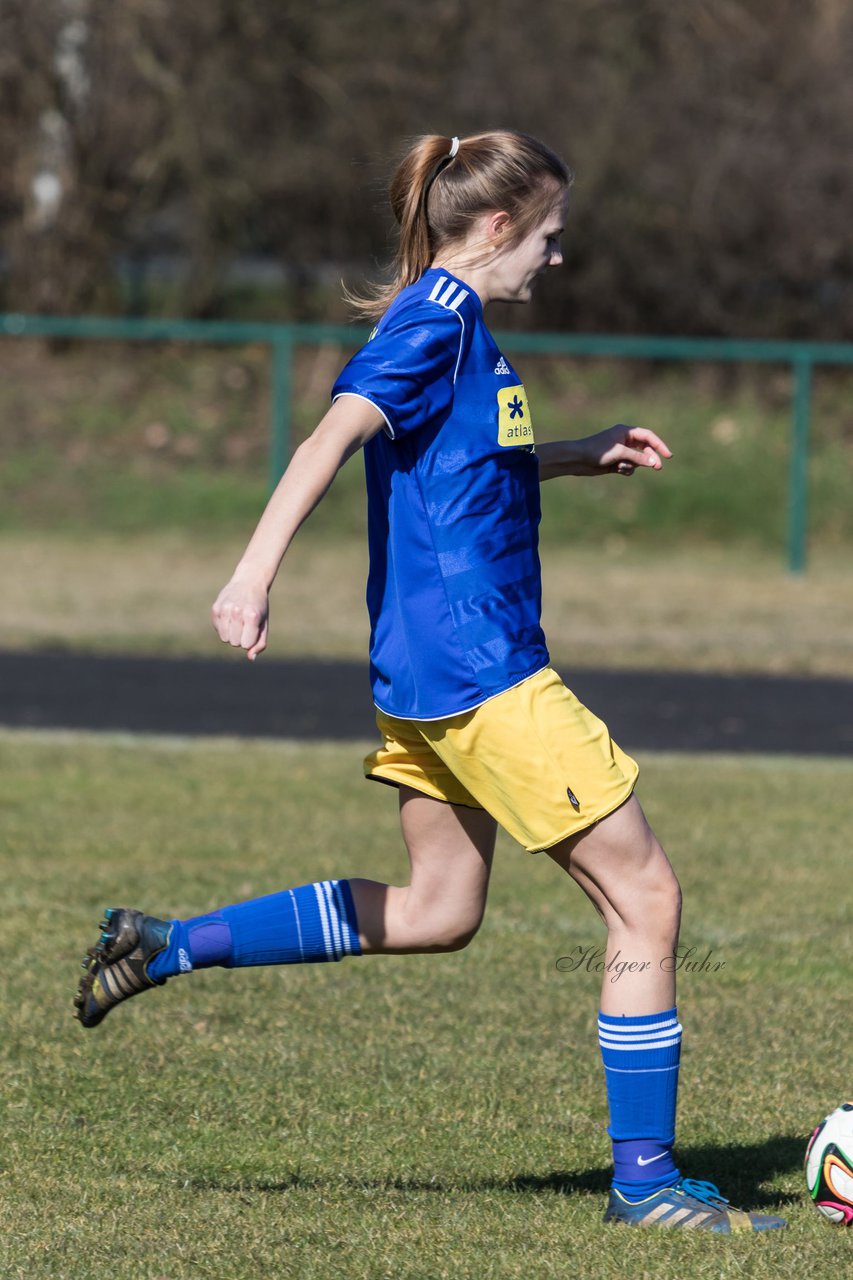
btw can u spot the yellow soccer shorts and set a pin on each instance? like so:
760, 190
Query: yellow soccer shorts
533, 757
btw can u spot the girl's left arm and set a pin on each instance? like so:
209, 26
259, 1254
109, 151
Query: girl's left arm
620, 449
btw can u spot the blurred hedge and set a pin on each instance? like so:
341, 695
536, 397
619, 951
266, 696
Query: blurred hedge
710, 141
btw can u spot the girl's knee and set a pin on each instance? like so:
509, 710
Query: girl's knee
454, 934
661, 882
677, 896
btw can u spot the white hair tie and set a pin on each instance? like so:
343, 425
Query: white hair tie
442, 164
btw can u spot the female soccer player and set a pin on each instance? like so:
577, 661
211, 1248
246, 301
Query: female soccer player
476, 726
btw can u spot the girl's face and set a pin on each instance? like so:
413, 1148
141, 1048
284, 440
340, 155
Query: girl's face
515, 268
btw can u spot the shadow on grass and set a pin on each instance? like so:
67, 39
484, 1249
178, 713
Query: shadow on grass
739, 1171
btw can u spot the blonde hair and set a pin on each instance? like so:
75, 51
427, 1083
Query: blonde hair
436, 196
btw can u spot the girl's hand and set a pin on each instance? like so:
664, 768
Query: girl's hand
622, 449
241, 616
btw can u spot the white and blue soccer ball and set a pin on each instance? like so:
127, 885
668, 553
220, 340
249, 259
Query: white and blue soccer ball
829, 1165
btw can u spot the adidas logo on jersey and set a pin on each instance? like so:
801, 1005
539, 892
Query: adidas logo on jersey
502, 368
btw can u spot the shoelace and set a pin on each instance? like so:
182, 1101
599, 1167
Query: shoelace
707, 1192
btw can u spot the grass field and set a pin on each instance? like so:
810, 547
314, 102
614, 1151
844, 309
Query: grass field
416, 1117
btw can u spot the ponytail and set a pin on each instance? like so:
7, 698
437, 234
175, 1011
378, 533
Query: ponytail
443, 185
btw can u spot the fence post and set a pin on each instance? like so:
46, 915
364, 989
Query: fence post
281, 395
799, 464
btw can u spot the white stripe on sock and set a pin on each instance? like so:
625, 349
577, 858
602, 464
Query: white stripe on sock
342, 916
337, 941
324, 919
618, 1042
633, 1048
627, 1037
616, 1028
640, 1035
298, 925
638, 1071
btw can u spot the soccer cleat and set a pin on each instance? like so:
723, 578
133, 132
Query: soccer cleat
688, 1204
117, 966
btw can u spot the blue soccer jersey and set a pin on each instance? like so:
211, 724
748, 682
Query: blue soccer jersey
454, 590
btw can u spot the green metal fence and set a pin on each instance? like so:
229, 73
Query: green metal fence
283, 339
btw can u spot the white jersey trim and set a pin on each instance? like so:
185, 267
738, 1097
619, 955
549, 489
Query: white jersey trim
389, 430
444, 298
462, 710
443, 301
437, 287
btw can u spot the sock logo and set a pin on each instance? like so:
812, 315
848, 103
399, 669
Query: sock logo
184, 961
651, 1159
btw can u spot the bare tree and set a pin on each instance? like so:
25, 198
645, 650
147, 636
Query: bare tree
710, 142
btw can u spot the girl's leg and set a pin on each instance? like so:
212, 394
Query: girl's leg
627, 876
450, 851
625, 873
450, 848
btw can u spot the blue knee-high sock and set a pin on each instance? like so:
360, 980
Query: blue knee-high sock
641, 1058
314, 922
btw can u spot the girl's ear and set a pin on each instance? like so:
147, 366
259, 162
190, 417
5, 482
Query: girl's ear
497, 225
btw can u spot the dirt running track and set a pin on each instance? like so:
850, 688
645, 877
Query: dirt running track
308, 699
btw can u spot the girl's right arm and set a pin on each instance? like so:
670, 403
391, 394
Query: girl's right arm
241, 611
